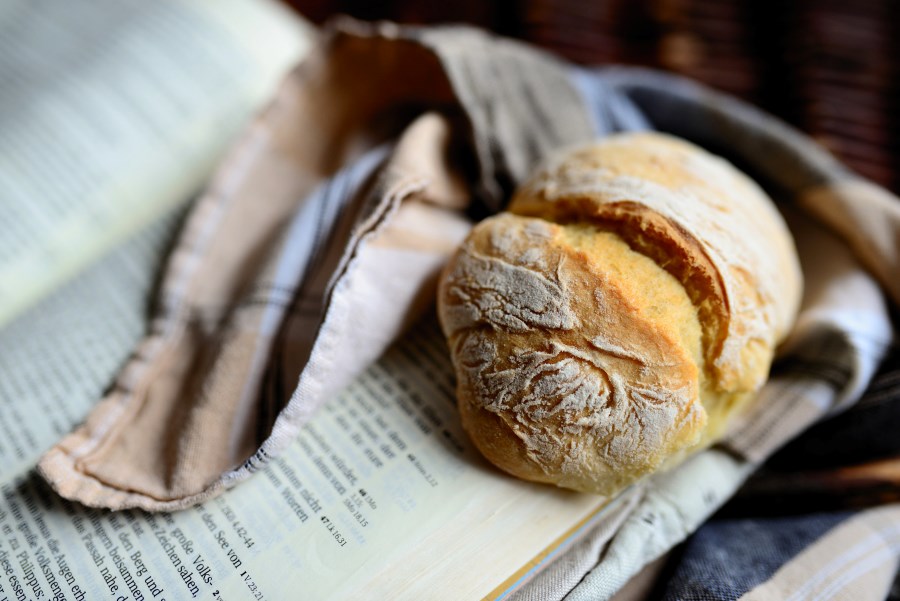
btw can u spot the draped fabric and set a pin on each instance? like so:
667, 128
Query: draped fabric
320, 238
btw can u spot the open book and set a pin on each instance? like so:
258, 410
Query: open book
112, 112
381, 496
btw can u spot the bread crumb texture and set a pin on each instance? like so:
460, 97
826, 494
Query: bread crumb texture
624, 307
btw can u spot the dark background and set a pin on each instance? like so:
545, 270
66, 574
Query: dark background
829, 67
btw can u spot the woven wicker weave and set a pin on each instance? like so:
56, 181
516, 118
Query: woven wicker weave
829, 67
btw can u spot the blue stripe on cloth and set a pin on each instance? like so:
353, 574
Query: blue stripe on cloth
611, 111
308, 237
305, 239
727, 558
867, 431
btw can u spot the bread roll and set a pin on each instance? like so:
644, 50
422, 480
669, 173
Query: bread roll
627, 304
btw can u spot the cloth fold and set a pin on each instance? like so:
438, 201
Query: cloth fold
321, 236
255, 330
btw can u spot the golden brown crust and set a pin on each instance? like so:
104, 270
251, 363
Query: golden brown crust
616, 316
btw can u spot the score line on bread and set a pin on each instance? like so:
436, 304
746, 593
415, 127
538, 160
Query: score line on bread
626, 305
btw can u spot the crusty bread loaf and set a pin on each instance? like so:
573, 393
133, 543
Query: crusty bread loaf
624, 307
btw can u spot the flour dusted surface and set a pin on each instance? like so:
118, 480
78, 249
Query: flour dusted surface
611, 326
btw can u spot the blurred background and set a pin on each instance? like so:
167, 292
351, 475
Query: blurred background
828, 67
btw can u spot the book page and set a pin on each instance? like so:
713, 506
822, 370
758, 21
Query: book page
114, 111
57, 358
380, 497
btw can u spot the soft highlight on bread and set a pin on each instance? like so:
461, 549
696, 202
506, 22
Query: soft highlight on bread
624, 307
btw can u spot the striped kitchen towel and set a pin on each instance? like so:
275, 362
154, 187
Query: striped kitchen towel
321, 236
